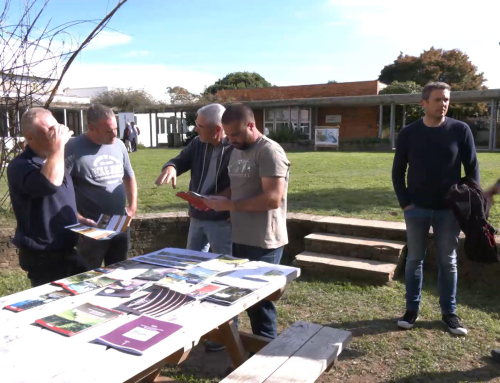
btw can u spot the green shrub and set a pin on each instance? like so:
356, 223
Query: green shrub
365, 141
285, 135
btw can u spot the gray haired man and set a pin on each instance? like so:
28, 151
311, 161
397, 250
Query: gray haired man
207, 156
104, 180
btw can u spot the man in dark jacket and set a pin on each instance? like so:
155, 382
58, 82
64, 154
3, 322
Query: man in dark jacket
207, 156
494, 190
433, 149
43, 199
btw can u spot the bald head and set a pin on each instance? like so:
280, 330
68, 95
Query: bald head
31, 117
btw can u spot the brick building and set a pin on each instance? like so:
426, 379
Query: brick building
296, 114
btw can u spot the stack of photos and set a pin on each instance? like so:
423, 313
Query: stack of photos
156, 303
38, 301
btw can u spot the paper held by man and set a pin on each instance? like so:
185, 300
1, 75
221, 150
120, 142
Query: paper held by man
108, 226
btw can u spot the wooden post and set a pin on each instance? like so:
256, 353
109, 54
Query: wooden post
65, 117
381, 121
393, 125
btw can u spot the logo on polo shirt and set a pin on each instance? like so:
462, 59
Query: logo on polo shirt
107, 168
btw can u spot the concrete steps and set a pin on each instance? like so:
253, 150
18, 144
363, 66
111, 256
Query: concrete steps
363, 270
356, 247
364, 228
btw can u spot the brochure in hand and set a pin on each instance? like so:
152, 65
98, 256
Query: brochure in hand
159, 301
108, 226
195, 199
38, 301
137, 336
123, 289
78, 319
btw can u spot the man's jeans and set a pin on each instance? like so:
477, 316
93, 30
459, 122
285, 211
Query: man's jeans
263, 315
446, 233
111, 251
214, 235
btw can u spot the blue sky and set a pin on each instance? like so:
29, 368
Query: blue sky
153, 44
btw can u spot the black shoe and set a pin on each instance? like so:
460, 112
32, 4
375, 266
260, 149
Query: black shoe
453, 323
211, 346
408, 320
495, 354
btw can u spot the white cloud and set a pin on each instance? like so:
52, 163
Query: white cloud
154, 78
135, 54
411, 27
107, 39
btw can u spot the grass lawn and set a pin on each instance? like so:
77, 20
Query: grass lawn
325, 183
380, 352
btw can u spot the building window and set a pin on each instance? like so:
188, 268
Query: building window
293, 118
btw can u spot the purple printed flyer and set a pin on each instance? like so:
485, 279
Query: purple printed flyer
137, 336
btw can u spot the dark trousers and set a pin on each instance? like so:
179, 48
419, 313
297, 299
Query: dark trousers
49, 266
133, 142
263, 315
109, 251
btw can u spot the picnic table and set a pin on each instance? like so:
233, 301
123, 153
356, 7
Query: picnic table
30, 353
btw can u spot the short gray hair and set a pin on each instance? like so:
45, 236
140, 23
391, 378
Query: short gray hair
426, 92
98, 111
30, 116
213, 113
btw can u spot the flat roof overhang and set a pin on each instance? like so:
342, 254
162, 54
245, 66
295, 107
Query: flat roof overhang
469, 96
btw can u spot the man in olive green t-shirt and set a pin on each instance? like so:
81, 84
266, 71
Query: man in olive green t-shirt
258, 172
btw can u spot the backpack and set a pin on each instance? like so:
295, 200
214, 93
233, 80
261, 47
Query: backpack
471, 208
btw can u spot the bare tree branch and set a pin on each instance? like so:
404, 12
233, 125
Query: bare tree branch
93, 34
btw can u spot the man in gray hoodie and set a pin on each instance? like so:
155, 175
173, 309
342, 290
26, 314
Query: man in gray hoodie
207, 157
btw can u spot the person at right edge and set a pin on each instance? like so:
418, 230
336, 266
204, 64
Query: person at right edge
259, 172
433, 149
494, 190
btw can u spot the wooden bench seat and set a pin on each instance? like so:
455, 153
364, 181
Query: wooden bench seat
301, 353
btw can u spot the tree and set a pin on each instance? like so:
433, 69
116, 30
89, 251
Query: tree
332, 82
126, 100
413, 112
453, 67
181, 96
238, 80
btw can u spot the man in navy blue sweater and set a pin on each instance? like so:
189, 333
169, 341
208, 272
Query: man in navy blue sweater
433, 149
43, 200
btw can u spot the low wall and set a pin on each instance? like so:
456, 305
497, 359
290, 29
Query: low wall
155, 231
